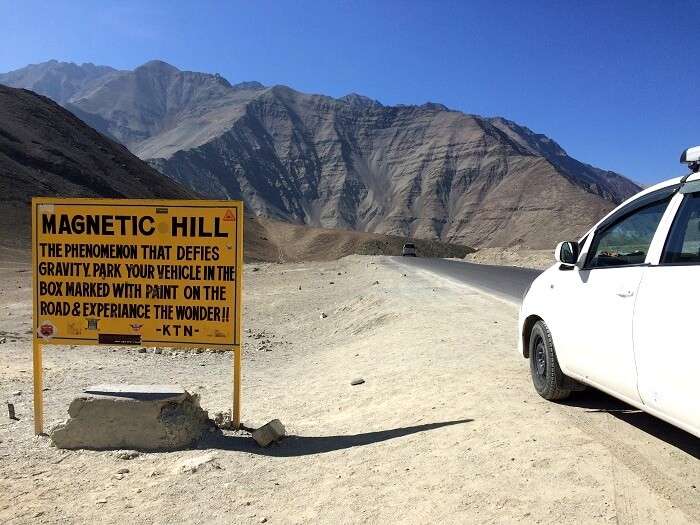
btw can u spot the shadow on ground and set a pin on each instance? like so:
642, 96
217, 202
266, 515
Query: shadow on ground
306, 445
597, 401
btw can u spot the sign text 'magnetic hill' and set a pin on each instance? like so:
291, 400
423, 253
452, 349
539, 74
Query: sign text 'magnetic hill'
153, 273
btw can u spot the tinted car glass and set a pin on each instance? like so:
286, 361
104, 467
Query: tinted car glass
627, 241
683, 244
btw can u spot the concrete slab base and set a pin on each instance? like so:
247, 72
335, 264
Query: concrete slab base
138, 417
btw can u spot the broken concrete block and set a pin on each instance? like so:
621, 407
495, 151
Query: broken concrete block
138, 417
269, 433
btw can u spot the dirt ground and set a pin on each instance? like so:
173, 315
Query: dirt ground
537, 259
446, 427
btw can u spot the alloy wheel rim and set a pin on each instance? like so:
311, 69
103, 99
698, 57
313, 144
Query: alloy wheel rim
540, 360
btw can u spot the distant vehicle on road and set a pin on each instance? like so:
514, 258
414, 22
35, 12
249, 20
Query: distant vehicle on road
409, 250
620, 310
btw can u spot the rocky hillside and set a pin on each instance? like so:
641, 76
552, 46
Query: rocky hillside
47, 151
286, 242
422, 171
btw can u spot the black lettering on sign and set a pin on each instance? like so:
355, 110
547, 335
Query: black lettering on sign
56, 308
117, 310
177, 330
51, 289
161, 291
97, 224
219, 314
139, 271
106, 270
126, 290
163, 311
196, 227
48, 224
87, 289
64, 269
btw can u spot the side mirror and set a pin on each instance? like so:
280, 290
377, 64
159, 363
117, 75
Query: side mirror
566, 253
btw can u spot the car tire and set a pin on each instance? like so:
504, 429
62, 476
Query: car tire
548, 379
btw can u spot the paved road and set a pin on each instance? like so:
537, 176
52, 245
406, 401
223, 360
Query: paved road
507, 282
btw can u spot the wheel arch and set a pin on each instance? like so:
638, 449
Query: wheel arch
525, 335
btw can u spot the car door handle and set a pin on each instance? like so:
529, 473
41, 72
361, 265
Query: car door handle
625, 293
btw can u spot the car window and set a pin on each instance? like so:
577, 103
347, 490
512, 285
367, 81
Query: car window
627, 241
683, 244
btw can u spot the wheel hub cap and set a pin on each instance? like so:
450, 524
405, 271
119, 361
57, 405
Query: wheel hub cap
540, 360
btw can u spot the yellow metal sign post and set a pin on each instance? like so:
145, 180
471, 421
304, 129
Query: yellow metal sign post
161, 273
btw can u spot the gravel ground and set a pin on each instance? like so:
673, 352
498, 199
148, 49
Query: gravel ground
446, 426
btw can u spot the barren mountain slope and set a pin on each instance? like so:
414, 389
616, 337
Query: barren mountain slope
410, 171
292, 242
422, 171
47, 151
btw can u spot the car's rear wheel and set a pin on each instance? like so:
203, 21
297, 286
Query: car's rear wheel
548, 379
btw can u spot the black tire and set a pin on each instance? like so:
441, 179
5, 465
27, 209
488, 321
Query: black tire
548, 379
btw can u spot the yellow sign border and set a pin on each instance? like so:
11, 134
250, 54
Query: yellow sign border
37, 343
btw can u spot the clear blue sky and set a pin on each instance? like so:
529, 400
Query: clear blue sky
616, 83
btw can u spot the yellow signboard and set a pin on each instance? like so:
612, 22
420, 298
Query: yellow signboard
137, 272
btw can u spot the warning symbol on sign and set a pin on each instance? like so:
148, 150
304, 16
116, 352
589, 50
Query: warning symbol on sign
228, 216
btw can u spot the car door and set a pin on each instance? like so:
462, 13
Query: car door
595, 324
666, 341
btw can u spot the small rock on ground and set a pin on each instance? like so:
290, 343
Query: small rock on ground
269, 433
197, 463
126, 454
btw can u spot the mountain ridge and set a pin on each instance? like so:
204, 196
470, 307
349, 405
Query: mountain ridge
425, 171
47, 151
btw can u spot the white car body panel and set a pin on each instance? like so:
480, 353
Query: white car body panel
627, 330
666, 343
596, 327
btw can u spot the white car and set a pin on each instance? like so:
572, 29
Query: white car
618, 311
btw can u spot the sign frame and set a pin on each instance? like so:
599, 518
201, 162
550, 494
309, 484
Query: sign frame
234, 343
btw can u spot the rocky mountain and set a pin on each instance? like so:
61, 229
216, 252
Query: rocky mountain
59, 81
421, 171
47, 151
